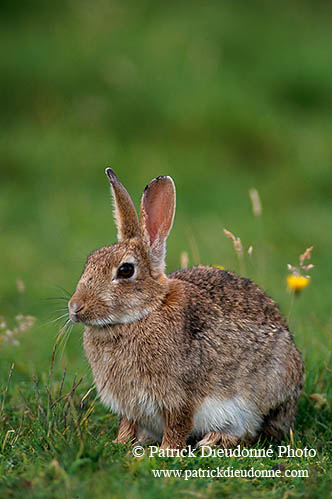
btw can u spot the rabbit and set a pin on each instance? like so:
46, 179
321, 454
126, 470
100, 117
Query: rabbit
198, 354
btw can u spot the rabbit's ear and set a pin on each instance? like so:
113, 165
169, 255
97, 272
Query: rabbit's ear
125, 215
157, 215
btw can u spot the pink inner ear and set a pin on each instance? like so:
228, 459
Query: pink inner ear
158, 207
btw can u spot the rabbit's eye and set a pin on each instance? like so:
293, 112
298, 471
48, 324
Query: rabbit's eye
125, 271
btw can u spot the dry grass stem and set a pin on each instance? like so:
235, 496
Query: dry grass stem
255, 202
184, 260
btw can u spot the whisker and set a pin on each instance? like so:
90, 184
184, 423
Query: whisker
63, 330
64, 290
64, 298
59, 318
63, 333
53, 321
65, 325
67, 332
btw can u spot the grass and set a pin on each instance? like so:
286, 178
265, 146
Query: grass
58, 443
224, 97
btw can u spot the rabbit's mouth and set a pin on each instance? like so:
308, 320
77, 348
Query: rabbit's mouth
75, 309
112, 320
82, 308
101, 323
77, 313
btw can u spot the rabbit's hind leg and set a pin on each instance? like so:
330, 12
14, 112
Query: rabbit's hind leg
279, 420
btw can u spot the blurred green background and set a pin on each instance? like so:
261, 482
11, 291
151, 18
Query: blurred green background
222, 96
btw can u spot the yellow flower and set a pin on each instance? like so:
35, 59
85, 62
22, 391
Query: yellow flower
297, 282
219, 267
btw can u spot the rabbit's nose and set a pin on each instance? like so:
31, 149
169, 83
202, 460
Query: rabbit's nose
75, 307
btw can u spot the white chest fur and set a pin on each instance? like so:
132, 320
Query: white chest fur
233, 416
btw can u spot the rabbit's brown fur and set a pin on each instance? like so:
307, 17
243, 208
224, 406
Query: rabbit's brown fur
200, 352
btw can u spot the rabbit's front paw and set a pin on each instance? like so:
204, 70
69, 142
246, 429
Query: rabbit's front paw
126, 432
219, 439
